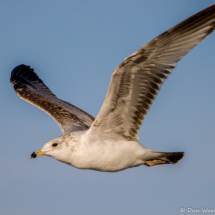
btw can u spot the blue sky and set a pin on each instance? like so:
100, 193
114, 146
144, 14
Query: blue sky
74, 46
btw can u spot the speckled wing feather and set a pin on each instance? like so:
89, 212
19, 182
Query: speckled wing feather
136, 82
31, 88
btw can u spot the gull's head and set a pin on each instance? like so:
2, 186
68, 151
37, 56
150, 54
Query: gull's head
56, 148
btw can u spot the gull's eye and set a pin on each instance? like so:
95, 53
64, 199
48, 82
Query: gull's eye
54, 144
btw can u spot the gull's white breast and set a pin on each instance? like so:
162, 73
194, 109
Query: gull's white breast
104, 155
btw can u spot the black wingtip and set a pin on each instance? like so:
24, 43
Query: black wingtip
25, 73
19, 69
17, 72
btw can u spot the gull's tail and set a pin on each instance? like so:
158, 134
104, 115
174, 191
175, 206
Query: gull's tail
159, 158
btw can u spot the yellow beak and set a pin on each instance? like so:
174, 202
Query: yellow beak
37, 154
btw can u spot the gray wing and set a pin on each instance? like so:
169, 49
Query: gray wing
136, 82
31, 88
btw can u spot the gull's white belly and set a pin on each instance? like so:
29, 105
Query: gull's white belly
110, 156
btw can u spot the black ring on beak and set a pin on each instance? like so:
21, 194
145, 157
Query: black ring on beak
33, 155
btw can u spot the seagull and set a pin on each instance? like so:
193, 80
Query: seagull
110, 142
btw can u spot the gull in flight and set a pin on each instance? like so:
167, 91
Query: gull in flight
110, 142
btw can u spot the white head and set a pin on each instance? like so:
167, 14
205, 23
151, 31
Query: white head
57, 148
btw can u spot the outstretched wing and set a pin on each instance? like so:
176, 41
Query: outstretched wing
31, 88
136, 82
